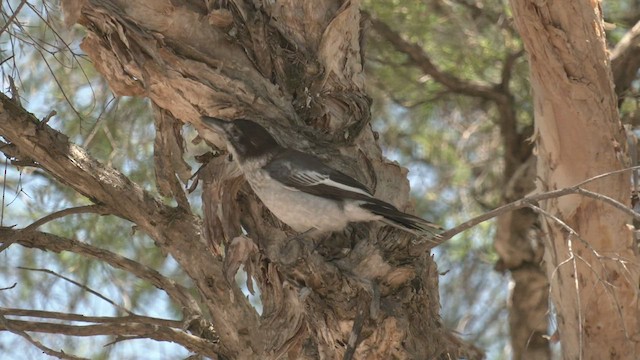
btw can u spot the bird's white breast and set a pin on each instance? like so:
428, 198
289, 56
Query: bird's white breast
303, 211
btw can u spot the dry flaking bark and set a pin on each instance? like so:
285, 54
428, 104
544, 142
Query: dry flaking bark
297, 68
593, 272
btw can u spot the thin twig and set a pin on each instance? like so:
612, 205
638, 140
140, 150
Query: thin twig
94, 209
85, 209
47, 118
121, 338
609, 200
4, 190
5, 60
572, 259
12, 17
15, 95
573, 256
82, 286
530, 200
9, 287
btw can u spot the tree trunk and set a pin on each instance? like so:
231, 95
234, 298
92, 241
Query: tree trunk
590, 255
296, 67
519, 244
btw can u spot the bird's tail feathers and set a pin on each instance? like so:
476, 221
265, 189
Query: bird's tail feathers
394, 217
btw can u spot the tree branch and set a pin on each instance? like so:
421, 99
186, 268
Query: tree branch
94, 319
82, 286
420, 59
12, 17
531, 200
95, 209
138, 330
177, 231
507, 67
8, 325
515, 152
87, 209
625, 60
50, 242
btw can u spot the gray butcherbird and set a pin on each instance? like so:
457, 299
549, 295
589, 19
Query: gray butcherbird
302, 191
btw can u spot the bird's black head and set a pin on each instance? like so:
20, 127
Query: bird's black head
245, 139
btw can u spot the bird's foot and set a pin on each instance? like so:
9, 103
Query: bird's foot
300, 245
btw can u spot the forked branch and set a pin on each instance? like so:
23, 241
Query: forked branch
533, 199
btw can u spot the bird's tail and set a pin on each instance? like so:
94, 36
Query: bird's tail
396, 218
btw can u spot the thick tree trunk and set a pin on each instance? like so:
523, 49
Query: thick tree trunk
592, 261
285, 64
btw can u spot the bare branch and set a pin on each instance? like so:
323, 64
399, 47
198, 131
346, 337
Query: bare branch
625, 60
8, 325
82, 286
9, 287
48, 117
138, 330
94, 319
95, 209
571, 259
86, 209
507, 67
420, 59
175, 230
50, 242
608, 286
15, 94
531, 200
615, 203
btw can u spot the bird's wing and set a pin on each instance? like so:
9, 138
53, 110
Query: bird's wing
394, 217
304, 172
307, 173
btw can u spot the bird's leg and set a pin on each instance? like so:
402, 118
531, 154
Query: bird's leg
304, 234
299, 240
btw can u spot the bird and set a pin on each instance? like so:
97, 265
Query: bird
301, 190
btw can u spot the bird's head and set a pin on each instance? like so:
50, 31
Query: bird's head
245, 139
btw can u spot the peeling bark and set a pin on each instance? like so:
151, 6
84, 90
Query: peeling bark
592, 268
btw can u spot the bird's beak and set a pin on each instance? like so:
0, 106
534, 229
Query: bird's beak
216, 124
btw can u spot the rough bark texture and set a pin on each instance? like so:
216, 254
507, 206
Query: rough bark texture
297, 68
592, 262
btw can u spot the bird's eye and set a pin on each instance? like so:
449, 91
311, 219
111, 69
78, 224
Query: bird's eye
235, 134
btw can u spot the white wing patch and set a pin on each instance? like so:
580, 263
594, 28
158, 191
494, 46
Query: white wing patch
312, 178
